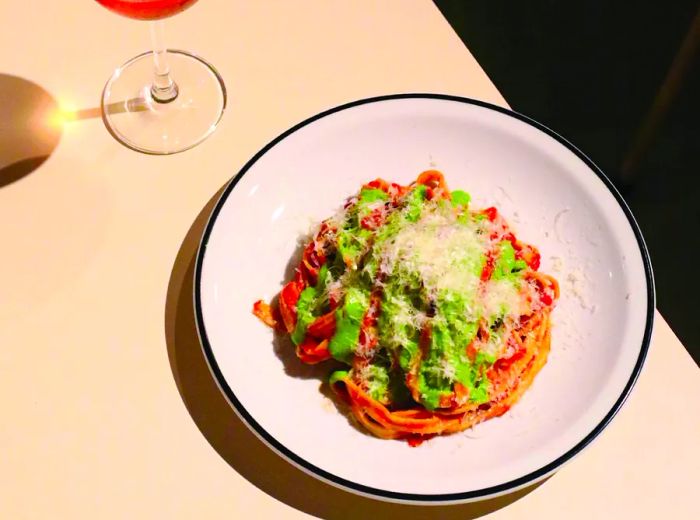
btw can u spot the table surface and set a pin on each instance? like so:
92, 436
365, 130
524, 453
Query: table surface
100, 420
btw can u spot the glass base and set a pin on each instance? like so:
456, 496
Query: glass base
138, 121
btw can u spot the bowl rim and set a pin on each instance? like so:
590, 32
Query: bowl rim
416, 498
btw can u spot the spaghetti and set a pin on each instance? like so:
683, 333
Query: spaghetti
438, 310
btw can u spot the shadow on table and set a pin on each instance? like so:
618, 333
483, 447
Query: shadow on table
31, 124
29, 129
232, 439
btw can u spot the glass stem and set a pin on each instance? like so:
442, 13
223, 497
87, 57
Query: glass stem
164, 89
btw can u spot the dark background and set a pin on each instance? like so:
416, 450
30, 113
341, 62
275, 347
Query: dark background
621, 81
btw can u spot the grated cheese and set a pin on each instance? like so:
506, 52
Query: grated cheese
446, 255
444, 370
576, 283
557, 264
503, 298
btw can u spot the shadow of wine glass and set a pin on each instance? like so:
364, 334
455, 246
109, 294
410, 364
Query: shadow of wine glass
32, 122
243, 451
29, 129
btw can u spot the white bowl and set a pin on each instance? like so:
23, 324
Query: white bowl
553, 196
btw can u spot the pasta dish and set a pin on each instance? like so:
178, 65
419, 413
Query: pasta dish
437, 311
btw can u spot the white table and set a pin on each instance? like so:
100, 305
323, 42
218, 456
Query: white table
96, 288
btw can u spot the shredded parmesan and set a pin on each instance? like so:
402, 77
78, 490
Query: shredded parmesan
557, 264
445, 255
444, 370
503, 298
576, 283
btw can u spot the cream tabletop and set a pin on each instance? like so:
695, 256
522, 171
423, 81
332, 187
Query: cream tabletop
108, 408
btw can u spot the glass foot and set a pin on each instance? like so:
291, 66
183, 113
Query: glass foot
140, 122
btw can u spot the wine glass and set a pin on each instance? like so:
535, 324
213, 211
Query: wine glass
163, 101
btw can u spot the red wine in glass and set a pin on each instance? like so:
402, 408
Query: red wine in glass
165, 101
147, 9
